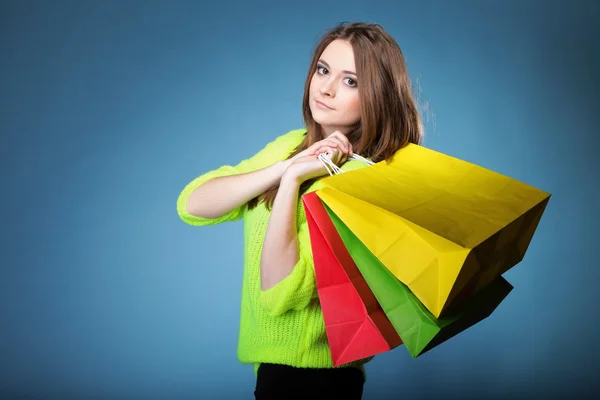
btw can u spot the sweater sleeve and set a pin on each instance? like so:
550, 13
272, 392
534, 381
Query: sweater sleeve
277, 150
299, 288
296, 290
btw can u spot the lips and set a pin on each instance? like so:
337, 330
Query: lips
320, 103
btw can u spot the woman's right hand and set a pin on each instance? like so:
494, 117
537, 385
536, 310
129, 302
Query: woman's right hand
336, 140
306, 164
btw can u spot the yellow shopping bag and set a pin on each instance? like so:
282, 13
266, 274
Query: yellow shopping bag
444, 227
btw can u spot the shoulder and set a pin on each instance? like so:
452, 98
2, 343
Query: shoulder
290, 138
277, 149
281, 146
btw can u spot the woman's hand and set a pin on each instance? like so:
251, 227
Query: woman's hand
336, 140
306, 164
309, 166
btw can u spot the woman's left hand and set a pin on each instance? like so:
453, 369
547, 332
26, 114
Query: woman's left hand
309, 166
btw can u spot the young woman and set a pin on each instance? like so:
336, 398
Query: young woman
357, 99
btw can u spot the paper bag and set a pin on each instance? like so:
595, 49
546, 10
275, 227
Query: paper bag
356, 325
441, 225
419, 330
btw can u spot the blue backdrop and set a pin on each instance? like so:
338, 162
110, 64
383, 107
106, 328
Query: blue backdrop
109, 108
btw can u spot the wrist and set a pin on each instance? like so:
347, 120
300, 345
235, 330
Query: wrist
290, 178
282, 167
286, 163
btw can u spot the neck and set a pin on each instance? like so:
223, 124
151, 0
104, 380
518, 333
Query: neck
328, 130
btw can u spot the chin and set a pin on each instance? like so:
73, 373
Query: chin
316, 115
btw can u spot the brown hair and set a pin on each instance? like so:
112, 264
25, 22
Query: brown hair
389, 118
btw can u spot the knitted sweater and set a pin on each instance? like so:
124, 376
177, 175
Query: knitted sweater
284, 324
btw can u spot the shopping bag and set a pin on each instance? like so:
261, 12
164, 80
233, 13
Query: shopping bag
441, 225
355, 324
419, 330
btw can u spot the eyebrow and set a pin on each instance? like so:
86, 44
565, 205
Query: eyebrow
344, 71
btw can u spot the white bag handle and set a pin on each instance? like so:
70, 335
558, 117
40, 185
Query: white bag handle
335, 170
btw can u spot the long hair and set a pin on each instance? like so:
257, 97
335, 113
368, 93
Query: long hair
389, 117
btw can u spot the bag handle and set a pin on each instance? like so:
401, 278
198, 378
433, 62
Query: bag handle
327, 163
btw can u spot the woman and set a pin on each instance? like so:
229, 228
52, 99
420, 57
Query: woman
357, 98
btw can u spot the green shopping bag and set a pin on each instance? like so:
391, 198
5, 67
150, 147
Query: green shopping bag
419, 330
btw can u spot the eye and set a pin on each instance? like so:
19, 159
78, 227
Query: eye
321, 70
350, 82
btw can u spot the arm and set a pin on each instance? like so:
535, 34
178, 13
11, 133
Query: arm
298, 288
286, 266
280, 249
219, 195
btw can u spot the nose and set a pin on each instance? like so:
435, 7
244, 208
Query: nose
327, 87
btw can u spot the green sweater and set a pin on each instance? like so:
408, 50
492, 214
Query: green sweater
284, 324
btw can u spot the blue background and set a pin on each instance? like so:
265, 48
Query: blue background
109, 108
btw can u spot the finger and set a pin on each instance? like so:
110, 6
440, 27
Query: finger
325, 142
340, 136
323, 149
326, 148
333, 152
342, 139
315, 148
337, 157
338, 143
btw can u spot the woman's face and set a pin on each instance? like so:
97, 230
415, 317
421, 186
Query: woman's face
333, 94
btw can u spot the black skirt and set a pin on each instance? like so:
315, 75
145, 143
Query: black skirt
284, 382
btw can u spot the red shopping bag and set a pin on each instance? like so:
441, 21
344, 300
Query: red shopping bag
355, 323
